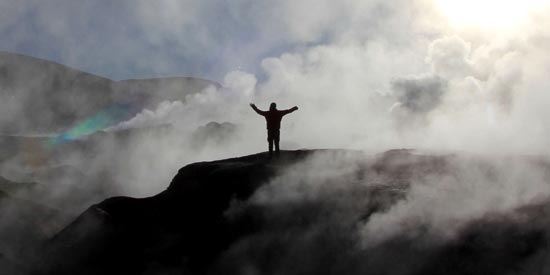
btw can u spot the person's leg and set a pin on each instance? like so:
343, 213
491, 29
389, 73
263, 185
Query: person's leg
270, 141
276, 138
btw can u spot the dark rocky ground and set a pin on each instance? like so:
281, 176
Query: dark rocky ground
231, 217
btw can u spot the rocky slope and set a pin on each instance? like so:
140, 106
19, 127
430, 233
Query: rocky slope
316, 212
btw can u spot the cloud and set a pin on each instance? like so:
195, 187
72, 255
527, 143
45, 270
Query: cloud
179, 37
449, 57
419, 94
405, 206
164, 114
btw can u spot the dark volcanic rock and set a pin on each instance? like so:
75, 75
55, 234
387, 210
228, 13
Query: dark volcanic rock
183, 225
229, 217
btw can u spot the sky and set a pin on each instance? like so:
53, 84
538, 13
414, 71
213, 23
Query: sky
137, 39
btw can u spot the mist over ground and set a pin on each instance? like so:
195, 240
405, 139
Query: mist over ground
366, 75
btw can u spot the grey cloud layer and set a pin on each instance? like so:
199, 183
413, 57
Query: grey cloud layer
126, 39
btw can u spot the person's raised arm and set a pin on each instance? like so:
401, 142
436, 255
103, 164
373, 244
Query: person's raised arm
260, 112
290, 110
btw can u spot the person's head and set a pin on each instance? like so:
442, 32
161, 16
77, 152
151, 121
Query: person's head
273, 106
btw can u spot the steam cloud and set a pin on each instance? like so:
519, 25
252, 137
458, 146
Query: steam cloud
368, 75
404, 221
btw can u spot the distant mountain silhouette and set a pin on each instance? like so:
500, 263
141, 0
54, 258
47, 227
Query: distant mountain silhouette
11, 187
39, 96
202, 224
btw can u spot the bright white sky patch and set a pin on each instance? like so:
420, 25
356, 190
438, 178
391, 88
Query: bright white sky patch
489, 14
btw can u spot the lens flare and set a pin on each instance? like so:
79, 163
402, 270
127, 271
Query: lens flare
488, 14
109, 116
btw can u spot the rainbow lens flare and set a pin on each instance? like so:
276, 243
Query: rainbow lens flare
107, 117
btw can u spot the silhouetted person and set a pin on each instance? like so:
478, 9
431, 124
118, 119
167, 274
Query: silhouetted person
273, 119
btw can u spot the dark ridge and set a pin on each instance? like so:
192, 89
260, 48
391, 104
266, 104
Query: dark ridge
35, 61
205, 223
114, 235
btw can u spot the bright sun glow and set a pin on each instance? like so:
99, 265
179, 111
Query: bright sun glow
489, 14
